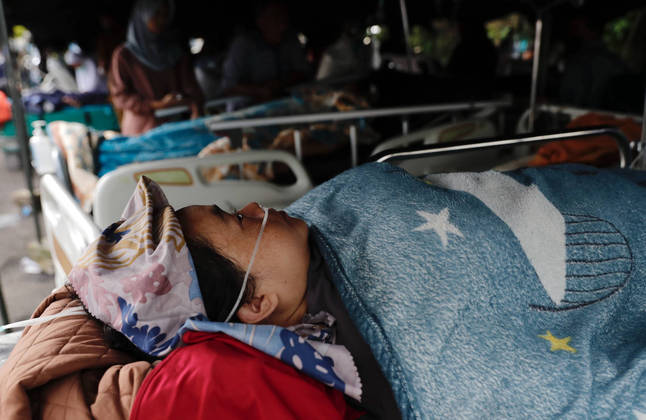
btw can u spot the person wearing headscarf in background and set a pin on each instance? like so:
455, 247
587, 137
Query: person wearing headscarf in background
152, 70
264, 62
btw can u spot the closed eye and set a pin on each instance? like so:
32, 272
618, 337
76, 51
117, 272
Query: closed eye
217, 211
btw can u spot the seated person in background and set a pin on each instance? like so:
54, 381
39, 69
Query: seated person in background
263, 63
346, 56
58, 76
463, 295
474, 59
89, 77
152, 70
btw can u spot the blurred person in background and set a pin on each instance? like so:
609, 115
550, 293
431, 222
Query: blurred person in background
264, 62
472, 64
89, 78
590, 67
152, 70
474, 56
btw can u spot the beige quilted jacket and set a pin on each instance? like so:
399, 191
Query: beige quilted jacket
62, 369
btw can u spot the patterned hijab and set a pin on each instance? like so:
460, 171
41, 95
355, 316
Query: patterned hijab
157, 51
138, 276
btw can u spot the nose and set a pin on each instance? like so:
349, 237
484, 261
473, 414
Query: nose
253, 210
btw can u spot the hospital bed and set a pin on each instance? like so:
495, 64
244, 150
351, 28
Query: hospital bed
273, 117
568, 113
479, 125
69, 229
627, 150
556, 117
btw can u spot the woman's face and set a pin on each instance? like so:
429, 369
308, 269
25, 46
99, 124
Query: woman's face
282, 260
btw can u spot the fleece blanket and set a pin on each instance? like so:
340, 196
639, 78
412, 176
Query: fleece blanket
181, 139
506, 295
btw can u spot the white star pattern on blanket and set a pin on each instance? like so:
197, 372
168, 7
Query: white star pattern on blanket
440, 224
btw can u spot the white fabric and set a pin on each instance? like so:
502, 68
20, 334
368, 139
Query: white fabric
77, 310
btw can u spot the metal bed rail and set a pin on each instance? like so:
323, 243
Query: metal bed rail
228, 103
522, 126
215, 123
624, 146
355, 115
577, 112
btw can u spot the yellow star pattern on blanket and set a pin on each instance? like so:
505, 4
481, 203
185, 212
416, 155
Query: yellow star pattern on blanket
558, 343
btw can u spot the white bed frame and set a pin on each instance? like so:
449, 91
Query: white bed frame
69, 230
114, 188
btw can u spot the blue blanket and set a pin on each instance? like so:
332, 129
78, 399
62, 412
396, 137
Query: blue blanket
494, 295
184, 138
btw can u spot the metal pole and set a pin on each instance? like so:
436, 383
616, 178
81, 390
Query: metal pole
13, 80
535, 68
409, 51
353, 145
3, 307
536, 63
404, 126
298, 147
640, 161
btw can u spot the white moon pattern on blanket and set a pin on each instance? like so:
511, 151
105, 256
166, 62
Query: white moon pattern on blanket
639, 415
538, 225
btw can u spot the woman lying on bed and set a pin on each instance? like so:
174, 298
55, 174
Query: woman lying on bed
467, 295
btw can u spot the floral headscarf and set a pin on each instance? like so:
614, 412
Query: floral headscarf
138, 276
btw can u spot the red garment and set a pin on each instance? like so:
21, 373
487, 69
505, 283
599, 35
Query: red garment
598, 150
5, 108
217, 376
133, 85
